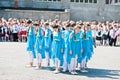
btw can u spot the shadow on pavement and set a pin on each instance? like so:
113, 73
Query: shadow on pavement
100, 73
92, 72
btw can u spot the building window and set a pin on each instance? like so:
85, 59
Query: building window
90, 1
112, 1
77, 0
81, 1
72, 0
95, 1
107, 1
84, 1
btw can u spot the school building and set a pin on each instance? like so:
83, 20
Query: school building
86, 10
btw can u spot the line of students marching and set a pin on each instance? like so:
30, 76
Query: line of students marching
67, 47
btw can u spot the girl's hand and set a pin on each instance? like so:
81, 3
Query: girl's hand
62, 36
71, 36
81, 36
61, 50
70, 51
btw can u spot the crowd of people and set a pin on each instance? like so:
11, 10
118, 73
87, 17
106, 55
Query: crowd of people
15, 30
68, 43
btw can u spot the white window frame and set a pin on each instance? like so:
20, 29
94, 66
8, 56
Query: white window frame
85, 2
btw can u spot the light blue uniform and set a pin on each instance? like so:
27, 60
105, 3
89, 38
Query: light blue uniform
40, 42
91, 45
31, 41
67, 48
86, 46
75, 45
57, 45
48, 41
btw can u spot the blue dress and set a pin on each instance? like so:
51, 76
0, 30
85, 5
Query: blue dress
48, 41
75, 44
86, 46
81, 46
40, 42
57, 45
66, 47
31, 41
91, 45
91, 40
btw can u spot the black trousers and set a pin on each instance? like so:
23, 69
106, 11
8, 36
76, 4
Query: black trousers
15, 37
113, 41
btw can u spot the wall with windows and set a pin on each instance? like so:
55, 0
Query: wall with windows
112, 9
86, 10
79, 9
35, 14
56, 4
89, 10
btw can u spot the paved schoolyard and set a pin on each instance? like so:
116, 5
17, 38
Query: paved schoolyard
105, 65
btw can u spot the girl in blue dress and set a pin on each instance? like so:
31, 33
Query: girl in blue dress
57, 48
91, 43
66, 48
75, 45
48, 43
40, 45
86, 49
79, 57
31, 42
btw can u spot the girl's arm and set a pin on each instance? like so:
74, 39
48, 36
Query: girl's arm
70, 42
